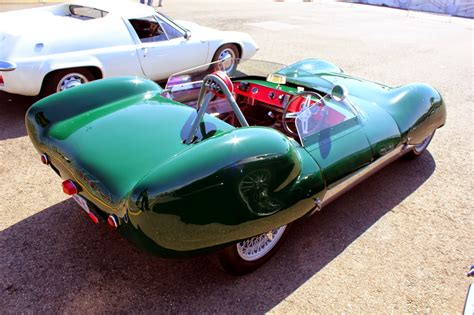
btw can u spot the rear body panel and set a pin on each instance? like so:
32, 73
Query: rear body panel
125, 150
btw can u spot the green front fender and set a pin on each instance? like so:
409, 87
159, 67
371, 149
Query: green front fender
417, 108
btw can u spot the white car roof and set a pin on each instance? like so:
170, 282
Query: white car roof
124, 8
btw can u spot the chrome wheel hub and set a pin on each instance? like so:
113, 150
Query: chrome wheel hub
226, 58
71, 80
258, 246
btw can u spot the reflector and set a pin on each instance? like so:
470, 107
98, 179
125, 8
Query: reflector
112, 220
44, 159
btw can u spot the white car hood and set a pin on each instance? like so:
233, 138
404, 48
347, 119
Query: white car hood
199, 30
211, 34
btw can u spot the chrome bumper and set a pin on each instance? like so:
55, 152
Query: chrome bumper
7, 66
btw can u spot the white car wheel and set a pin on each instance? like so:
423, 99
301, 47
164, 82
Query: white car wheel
65, 79
227, 56
71, 80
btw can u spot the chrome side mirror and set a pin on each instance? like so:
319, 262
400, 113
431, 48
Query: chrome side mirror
339, 93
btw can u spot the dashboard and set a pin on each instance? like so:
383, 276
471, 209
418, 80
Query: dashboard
264, 94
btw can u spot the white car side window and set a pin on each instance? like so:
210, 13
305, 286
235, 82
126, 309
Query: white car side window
170, 30
148, 29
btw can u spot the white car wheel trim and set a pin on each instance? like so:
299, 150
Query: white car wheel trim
226, 57
71, 80
258, 246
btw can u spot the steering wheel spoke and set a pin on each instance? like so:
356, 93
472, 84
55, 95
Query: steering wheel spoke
289, 118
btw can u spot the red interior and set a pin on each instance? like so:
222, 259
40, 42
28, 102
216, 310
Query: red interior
263, 94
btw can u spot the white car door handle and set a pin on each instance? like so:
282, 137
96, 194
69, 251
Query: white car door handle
145, 51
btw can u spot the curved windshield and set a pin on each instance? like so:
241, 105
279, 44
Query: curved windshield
285, 97
244, 68
324, 119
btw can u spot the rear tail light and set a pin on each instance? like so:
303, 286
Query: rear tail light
1, 80
69, 187
44, 159
93, 217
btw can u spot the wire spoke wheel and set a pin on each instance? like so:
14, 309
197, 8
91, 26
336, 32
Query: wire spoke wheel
249, 254
258, 246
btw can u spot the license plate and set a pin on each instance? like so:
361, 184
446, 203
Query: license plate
82, 202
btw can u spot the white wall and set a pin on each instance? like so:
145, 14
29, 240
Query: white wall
463, 8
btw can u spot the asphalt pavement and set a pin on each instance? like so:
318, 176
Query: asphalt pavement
400, 242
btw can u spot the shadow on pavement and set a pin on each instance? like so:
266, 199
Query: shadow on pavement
12, 114
57, 260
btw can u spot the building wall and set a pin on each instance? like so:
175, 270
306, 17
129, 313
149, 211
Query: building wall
464, 8
27, 1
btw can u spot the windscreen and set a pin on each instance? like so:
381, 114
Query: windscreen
324, 119
192, 78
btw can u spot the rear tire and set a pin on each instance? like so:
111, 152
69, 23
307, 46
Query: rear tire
419, 149
248, 255
65, 79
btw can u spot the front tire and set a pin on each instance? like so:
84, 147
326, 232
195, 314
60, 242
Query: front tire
227, 55
248, 255
419, 149
66, 79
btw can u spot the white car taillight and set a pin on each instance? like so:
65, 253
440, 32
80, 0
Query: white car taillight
1, 80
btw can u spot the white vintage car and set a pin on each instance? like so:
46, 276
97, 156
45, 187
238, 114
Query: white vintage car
49, 49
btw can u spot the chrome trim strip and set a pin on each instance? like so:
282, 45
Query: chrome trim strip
7, 66
345, 184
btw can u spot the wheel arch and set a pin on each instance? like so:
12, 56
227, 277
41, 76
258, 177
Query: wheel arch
239, 46
95, 71
418, 110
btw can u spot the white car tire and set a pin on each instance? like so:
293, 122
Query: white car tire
230, 51
65, 79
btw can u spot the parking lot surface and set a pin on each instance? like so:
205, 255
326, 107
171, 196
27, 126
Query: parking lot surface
399, 242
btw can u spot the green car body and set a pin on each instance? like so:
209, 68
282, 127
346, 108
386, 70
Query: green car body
123, 143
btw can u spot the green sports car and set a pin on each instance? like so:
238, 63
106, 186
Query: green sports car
224, 162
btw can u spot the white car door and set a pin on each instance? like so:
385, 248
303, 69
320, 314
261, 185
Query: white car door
163, 48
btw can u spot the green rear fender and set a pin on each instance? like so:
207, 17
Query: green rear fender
96, 95
229, 187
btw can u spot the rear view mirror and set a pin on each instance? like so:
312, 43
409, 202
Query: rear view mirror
339, 93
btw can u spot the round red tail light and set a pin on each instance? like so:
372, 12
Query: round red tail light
44, 159
69, 187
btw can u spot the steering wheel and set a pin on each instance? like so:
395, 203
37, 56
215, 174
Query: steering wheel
287, 117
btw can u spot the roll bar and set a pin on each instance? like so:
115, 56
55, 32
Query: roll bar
213, 85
